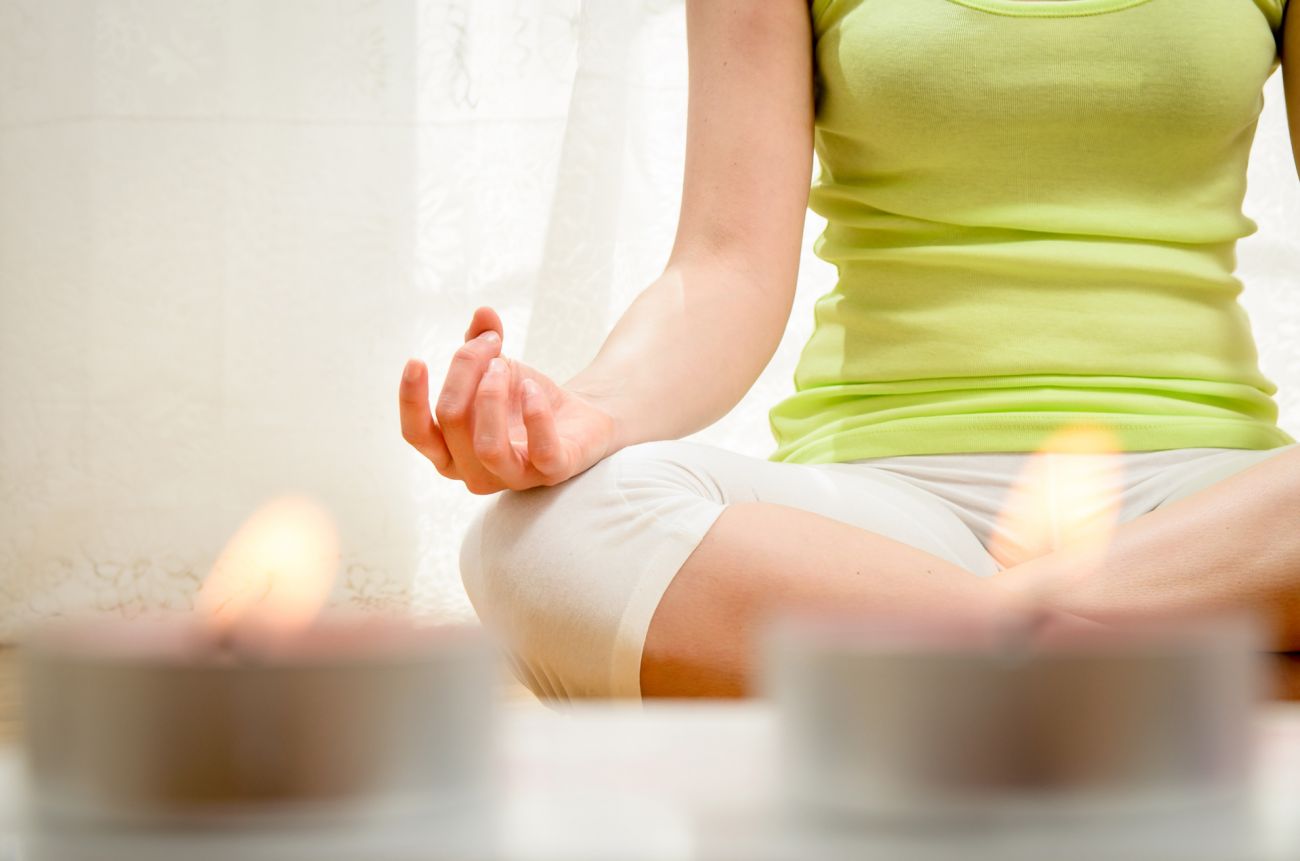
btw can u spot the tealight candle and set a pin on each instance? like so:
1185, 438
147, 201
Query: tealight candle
260, 712
347, 720
921, 720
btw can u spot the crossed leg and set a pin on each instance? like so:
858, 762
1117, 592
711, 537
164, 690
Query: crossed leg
759, 558
653, 572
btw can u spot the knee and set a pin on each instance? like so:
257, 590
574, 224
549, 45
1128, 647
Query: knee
499, 550
536, 575
495, 560
524, 562
516, 531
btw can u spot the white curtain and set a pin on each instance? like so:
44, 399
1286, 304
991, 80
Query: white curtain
225, 224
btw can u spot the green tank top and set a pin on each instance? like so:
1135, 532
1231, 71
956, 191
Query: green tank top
1033, 207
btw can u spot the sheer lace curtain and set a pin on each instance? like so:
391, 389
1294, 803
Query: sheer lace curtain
224, 225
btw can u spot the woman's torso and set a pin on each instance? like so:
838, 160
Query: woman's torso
1033, 207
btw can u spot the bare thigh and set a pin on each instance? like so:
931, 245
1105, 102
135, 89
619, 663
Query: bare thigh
795, 535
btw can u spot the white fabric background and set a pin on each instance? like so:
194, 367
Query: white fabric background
224, 225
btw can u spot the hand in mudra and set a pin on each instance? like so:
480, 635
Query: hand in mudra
499, 424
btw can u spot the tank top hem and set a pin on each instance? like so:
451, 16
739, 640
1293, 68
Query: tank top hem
964, 435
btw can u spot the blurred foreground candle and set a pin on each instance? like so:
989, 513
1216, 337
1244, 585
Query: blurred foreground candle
259, 719
925, 721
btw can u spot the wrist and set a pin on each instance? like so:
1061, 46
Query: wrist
1033, 611
1032, 580
606, 401
619, 437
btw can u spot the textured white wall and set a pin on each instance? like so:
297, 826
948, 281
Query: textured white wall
1269, 261
224, 224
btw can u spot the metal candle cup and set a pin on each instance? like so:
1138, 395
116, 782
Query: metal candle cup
163, 723
926, 721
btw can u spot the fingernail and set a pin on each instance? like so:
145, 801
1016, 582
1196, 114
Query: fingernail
489, 335
496, 366
412, 371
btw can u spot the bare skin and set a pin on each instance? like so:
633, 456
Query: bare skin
732, 268
759, 558
1233, 544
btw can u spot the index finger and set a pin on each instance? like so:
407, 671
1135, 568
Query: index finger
418, 426
484, 318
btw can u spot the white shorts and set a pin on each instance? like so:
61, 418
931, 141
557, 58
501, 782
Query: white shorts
568, 577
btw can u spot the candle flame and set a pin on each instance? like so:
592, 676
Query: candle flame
277, 569
1061, 501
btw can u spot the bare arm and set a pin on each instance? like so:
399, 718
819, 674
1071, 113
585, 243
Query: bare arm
694, 340
699, 335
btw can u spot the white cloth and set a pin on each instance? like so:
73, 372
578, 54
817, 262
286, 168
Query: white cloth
568, 577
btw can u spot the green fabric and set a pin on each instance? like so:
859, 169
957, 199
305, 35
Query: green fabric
1033, 207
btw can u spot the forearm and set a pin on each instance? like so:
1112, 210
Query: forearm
687, 349
1232, 545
